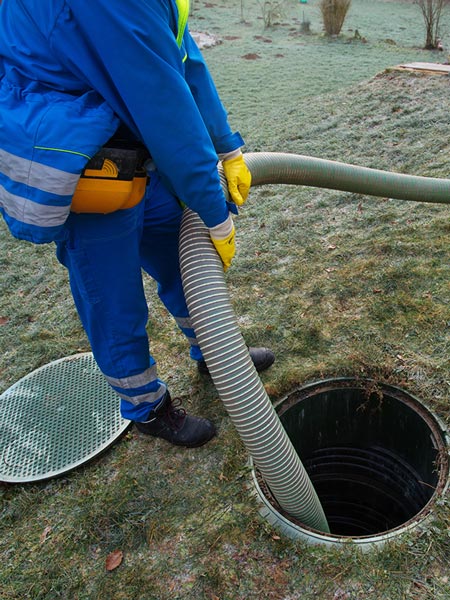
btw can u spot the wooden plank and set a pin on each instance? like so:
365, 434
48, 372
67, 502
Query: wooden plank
427, 67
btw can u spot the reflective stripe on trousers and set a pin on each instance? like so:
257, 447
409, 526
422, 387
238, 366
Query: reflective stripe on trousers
104, 255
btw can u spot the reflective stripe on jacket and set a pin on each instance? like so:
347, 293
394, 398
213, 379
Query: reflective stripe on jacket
71, 71
46, 141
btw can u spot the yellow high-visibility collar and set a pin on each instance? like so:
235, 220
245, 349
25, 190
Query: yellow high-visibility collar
183, 13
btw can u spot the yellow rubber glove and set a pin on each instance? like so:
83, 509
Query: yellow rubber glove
239, 178
223, 236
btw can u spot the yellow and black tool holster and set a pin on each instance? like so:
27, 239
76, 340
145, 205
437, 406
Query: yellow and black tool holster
113, 179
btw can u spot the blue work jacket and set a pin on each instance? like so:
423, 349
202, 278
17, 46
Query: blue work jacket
71, 72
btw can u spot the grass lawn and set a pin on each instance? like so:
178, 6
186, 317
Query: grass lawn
337, 284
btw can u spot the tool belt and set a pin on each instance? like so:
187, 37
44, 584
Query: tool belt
114, 179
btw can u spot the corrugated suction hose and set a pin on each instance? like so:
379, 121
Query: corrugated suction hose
218, 334
276, 167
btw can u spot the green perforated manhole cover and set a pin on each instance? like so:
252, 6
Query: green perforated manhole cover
57, 418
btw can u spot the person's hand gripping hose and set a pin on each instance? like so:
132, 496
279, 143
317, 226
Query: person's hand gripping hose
239, 178
223, 237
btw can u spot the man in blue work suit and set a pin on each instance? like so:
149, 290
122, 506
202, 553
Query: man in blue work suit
72, 72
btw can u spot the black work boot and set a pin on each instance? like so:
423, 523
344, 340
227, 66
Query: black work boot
170, 422
262, 358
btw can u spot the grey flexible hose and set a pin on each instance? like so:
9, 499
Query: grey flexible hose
236, 379
218, 334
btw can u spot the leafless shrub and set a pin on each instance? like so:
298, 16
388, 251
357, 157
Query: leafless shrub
431, 12
333, 14
272, 11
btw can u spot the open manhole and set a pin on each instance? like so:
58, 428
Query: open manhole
378, 459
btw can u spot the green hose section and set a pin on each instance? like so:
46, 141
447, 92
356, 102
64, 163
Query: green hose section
223, 347
278, 167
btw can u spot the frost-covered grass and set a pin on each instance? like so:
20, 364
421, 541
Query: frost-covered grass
336, 283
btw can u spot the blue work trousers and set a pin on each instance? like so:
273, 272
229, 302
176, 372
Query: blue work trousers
105, 255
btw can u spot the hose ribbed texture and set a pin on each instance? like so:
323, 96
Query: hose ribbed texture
236, 379
277, 167
218, 334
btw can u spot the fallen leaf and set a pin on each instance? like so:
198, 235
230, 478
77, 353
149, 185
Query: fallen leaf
3, 320
279, 576
44, 534
113, 560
